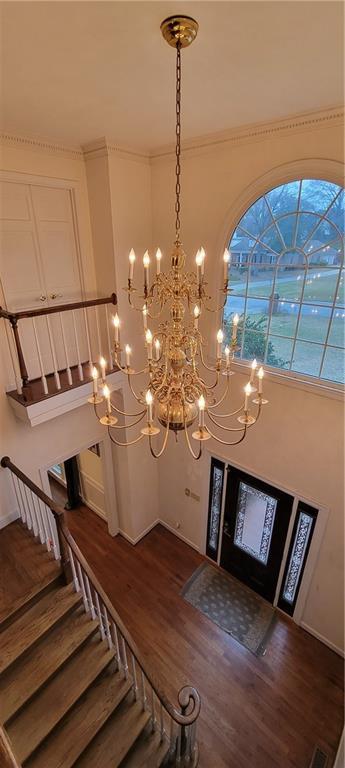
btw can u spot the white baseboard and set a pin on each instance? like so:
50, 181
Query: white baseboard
179, 535
9, 518
322, 639
141, 535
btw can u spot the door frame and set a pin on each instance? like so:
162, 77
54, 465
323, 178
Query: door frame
319, 531
110, 496
74, 187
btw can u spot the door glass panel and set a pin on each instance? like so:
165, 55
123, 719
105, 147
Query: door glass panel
215, 507
301, 538
254, 522
300, 544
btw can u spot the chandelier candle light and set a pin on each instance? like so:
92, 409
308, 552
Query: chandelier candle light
177, 395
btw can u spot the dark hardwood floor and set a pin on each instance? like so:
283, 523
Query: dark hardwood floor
266, 712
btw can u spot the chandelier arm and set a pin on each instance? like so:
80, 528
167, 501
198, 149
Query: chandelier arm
226, 415
211, 386
196, 456
125, 445
157, 455
208, 368
224, 395
124, 413
137, 398
226, 429
224, 442
124, 368
128, 426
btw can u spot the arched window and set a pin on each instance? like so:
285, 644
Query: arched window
287, 279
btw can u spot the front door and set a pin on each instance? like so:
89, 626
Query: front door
256, 522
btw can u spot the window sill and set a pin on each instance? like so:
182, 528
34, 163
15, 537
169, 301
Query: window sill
298, 381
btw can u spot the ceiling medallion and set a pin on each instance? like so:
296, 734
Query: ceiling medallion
177, 395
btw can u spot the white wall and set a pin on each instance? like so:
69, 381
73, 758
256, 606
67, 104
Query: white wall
299, 443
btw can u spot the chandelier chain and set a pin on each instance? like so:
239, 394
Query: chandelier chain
178, 141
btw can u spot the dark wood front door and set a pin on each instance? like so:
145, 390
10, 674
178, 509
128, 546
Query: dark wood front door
256, 521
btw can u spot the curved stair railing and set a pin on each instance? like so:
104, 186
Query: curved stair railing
46, 519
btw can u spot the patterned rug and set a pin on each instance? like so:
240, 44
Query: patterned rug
233, 606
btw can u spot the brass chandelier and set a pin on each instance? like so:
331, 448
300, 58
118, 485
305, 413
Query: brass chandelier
176, 395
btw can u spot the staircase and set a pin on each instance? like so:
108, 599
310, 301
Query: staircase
73, 688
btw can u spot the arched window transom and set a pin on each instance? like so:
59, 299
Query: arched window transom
287, 279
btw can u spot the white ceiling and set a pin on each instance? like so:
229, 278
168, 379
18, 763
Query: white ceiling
75, 71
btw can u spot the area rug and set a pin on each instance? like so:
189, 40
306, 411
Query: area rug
233, 606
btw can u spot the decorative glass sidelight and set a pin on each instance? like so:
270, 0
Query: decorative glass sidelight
254, 522
297, 557
215, 507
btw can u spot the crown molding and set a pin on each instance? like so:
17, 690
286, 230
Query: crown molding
39, 145
257, 132
104, 147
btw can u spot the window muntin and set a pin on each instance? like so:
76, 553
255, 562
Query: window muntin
287, 280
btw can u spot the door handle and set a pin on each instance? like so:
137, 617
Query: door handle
56, 295
42, 298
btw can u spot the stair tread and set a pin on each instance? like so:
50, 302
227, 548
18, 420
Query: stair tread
63, 747
27, 675
37, 719
24, 601
148, 752
35, 622
116, 738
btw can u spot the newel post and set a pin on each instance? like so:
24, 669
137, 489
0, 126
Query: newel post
22, 366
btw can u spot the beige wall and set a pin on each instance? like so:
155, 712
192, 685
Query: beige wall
299, 443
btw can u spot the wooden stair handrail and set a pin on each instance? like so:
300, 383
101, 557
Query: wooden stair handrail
7, 756
112, 299
187, 696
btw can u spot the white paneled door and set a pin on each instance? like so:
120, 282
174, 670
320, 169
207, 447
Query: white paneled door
39, 265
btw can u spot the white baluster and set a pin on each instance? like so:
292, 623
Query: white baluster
91, 606
87, 331
161, 721
134, 673
27, 507
99, 340
99, 615
107, 325
33, 513
81, 582
45, 525
21, 509
107, 627
38, 517
80, 367
53, 354
125, 662
39, 355
74, 572
53, 533
118, 655
68, 368
143, 689
153, 708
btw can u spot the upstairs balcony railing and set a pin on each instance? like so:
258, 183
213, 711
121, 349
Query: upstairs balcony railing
55, 348
46, 521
